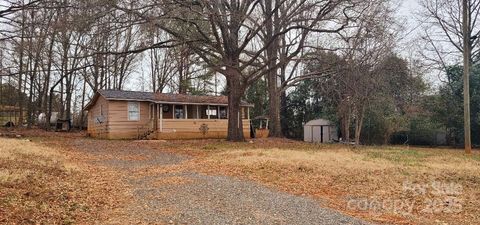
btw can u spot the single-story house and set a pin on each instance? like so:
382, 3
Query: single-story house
320, 131
115, 114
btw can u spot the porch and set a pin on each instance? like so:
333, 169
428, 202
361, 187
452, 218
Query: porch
190, 121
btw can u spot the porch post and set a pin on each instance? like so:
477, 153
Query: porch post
208, 111
238, 117
198, 117
218, 112
173, 111
156, 115
186, 111
248, 113
161, 118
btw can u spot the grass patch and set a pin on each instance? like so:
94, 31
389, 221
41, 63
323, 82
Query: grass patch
37, 186
331, 173
407, 157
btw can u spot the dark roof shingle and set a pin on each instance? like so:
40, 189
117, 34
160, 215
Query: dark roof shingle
163, 97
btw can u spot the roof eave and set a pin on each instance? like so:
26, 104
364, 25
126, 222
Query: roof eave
173, 103
92, 101
98, 94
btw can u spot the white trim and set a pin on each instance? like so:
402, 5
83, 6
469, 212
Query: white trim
198, 115
177, 103
128, 110
161, 118
208, 110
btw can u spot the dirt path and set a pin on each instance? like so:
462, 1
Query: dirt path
164, 191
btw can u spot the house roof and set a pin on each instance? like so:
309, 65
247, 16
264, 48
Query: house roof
161, 98
319, 122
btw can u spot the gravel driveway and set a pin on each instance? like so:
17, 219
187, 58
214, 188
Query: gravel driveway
193, 198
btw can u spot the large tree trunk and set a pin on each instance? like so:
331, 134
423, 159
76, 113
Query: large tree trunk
272, 76
20, 71
82, 112
345, 126
31, 105
275, 129
283, 97
235, 92
283, 114
45, 102
68, 97
359, 124
50, 107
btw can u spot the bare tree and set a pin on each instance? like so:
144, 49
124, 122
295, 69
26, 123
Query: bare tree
226, 35
355, 78
285, 55
452, 30
11, 7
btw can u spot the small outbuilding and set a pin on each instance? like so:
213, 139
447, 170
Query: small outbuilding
320, 131
259, 126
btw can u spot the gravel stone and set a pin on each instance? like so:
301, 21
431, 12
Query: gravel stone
204, 199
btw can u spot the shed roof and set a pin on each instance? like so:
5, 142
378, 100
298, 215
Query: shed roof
161, 98
261, 118
319, 122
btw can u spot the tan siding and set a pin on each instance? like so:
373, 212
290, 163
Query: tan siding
261, 133
190, 129
95, 128
119, 125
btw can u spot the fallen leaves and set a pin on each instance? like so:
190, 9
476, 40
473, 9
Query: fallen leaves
41, 185
333, 174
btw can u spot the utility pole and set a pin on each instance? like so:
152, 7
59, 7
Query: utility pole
466, 76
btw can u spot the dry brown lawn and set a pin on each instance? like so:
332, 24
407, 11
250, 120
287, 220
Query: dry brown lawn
40, 185
400, 185
384, 184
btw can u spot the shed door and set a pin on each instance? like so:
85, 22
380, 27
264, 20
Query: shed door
325, 134
307, 133
317, 134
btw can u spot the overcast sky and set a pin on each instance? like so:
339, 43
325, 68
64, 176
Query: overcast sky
407, 10
408, 5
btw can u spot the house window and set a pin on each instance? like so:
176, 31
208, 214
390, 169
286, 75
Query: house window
223, 113
211, 112
179, 112
101, 110
134, 111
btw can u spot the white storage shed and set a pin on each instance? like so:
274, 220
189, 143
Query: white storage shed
320, 131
